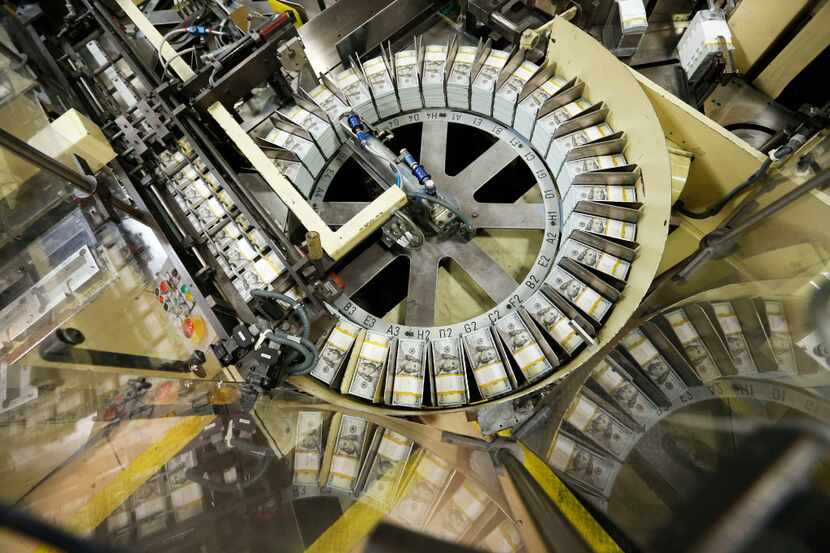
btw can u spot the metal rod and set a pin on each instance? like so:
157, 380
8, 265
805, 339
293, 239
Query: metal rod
36, 157
84, 183
18, 59
726, 234
554, 528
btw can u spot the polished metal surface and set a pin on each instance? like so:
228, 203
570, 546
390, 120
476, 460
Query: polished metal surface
363, 24
424, 263
747, 112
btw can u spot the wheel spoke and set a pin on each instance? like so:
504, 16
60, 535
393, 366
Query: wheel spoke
365, 267
519, 215
494, 159
482, 268
434, 147
339, 213
422, 287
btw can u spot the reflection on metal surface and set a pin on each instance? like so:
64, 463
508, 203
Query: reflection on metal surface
354, 27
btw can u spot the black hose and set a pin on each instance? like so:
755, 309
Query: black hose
718, 206
303, 347
21, 522
293, 304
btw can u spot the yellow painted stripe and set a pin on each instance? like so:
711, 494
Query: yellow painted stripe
348, 530
590, 530
281, 7
146, 465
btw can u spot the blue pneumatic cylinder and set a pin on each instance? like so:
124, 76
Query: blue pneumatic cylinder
419, 171
198, 30
358, 128
354, 123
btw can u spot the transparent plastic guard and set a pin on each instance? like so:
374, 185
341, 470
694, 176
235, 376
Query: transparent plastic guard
47, 283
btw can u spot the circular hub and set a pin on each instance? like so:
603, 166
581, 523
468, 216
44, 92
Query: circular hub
497, 180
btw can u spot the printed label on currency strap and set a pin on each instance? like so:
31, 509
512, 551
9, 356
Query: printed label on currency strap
620, 194
486, 363
450, 385
625, 394
308, 447
435, 58
524, 348
370, 364
596, 259
470, 500
348, 449
504, 538
653, 363
550, 87
305, 119
387, 465
583, 465
348, 78
466, 54
513, 85
434, 469
415, 506
580, 294
603, 226
410, 367
435, 53
431, 475
596, 163
379, 78
330, 103
601, 427
693, 345
735, 341
353, 87
406, 69
560, 115
489, 72
394, 446
581, 137
726, 317
459, 513
405, 58
335, 350
554, 321
780, 337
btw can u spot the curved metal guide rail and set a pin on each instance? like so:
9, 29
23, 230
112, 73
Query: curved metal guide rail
570, 152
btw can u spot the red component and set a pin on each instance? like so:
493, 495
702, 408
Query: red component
161, 299
164, 287
335, 278
109, 414
188, 327
272, 26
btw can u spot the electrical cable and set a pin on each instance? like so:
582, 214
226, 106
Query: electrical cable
303, 347
223, 7
21, 522
298, 308
165, 63
443, 203
718, 206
